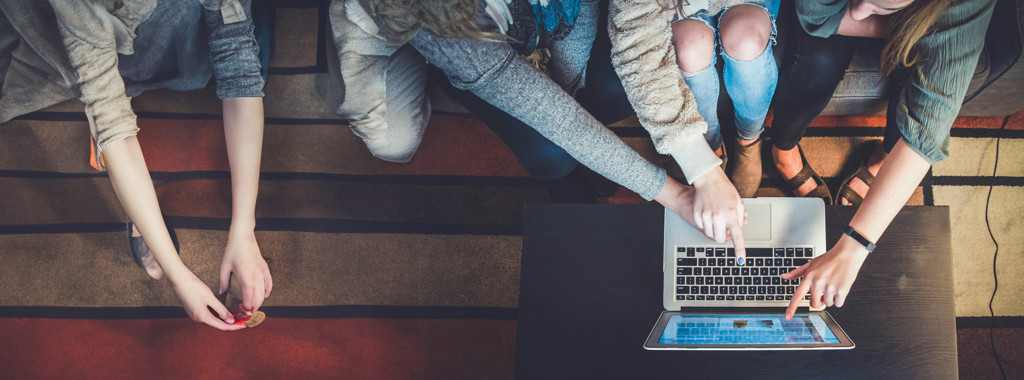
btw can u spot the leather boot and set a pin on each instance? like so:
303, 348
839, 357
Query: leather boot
746, 168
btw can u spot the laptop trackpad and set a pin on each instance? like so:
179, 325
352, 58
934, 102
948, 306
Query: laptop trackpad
759, 221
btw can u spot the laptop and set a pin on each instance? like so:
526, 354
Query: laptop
712, 303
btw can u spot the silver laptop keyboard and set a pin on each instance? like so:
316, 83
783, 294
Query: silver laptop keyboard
711, 273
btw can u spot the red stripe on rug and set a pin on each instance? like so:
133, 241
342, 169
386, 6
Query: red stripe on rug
183, 145
1016, 121
624, 196
279, 348
452, 145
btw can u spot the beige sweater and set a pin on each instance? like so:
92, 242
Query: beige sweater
645, 60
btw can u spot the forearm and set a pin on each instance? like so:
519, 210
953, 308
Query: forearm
559, 118
243, 132
134, 188
644, 59
874, 26
896, 181
492, 71
678, 198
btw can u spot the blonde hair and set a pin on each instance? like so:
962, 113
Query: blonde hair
444, 18
909, 25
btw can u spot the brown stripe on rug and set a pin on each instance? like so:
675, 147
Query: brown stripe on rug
58, 200
295, 37
309, 269
490, 205
61, 146
76, 269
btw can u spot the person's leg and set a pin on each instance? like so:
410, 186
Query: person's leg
750, 71
811, 70
694, 42
386, 103
538, 155
408, 107
570, 53
750, 76
603, 96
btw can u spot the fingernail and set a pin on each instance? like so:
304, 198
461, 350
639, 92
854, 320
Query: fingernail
230, 320
739, 261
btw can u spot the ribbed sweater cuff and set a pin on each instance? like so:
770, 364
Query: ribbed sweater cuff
694, 157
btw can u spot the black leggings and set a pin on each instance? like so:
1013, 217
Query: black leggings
810, 71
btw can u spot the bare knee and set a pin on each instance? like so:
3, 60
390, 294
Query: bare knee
746, 30
695, 45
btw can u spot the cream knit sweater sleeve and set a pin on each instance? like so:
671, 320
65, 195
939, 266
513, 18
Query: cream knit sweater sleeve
645, 60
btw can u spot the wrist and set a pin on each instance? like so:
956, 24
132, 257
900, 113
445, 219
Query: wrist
850, 247
670, 194
713, 174
852, 233
694, 156
178, 274
242, 226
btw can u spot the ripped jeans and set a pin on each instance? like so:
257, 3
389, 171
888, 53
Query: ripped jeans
750, 84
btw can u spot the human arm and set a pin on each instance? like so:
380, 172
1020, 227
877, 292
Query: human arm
645, 60
824, 18
134, 188
234, 55
829, 277
924, 114
363, 60
243, 132
875, 26
93, 56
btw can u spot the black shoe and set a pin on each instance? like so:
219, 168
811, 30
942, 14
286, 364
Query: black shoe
139, 247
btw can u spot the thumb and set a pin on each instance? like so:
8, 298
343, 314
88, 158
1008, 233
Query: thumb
222, 312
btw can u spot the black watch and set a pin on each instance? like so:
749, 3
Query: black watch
859, 238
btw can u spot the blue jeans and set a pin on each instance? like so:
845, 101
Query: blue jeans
750, 84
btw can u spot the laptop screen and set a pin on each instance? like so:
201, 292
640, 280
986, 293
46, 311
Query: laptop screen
757, 329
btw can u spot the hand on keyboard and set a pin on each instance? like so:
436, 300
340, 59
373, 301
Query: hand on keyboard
718, 209
828, 277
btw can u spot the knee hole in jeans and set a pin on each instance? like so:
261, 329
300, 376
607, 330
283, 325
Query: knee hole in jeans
694, 42
745, 31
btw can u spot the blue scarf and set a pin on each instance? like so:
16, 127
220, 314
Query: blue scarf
555, 12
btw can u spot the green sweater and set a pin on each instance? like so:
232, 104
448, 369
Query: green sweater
946, 60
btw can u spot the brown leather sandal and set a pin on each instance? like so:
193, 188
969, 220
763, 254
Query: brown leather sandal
845, 191
862, 173
808, 173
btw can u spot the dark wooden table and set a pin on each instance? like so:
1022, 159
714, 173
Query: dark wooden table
591, 291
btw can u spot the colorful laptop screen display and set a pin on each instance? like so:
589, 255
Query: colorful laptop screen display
746, 329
